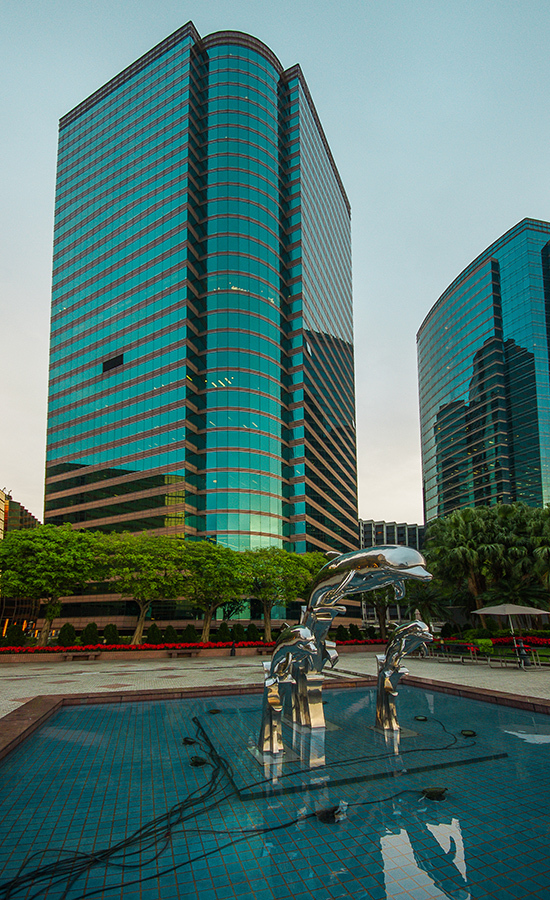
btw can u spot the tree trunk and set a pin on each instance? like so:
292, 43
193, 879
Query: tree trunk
476, 589
267, 621
45, 633
137, 637
52, 609
381, 614
206, 622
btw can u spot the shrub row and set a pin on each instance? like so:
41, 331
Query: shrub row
90, 636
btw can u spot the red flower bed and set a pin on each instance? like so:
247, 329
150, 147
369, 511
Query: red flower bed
129, 648
503, 641
532, 641
209, 645
365, 641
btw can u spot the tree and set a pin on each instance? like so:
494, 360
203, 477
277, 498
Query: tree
170, 635
154, 634
214, 576
223, 634
493, 552
146, 568
458, 551
67, 635
430, 601
110, 633
47, 563
189, 635
15, 636
90, 634
381, 599
280, 577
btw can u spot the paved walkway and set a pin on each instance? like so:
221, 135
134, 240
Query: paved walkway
24, 681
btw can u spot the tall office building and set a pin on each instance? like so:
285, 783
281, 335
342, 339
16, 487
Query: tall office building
201, 368
484, 379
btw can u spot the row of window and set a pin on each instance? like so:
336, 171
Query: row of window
159, 273
244, 481
151, 445
108, 321
239, 441
228, 459
243, 522
105, 342
167, 220
261, 503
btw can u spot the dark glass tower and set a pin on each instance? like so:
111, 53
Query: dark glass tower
201, 369
484, 378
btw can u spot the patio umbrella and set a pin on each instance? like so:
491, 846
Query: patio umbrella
510, 609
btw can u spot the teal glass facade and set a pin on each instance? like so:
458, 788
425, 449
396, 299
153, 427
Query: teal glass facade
201, 368
484, 379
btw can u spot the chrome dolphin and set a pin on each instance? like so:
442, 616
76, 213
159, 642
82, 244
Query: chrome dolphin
303, 650
405, 640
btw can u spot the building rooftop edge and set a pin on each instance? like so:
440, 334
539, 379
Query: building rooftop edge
239, 38
296, 70
242, 39
523, 225
187, 30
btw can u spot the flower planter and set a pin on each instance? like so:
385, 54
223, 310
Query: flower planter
156, 651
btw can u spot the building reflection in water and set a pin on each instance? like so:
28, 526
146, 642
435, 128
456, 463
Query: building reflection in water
434, 838
403, 837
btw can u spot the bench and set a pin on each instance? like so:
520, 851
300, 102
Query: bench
511, 658
462, 653
81, 654
452, 653
263, 650
189, 652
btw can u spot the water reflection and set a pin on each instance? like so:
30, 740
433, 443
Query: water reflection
434, 839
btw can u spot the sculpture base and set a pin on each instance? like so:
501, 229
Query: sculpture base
285, 756
305, 729
402, 732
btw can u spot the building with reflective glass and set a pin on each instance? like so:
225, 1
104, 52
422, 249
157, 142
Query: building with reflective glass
201, 363
483, 362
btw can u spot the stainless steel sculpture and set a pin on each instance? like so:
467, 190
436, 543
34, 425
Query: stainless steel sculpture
406, 639
294, 677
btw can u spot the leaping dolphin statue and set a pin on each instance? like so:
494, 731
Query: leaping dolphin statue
303, 650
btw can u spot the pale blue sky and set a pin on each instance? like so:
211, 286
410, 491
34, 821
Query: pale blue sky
437, 115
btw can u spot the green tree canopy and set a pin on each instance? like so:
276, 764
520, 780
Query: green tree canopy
280, 578
214, 576
145, 568
47, 563
492, 551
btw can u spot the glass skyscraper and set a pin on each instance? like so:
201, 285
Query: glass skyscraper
483, 361
201, 367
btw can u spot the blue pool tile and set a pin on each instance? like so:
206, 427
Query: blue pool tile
498, 842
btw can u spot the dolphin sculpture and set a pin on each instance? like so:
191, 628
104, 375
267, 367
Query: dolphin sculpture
405, 640
303, 650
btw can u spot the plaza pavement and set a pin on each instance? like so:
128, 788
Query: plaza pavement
20, 682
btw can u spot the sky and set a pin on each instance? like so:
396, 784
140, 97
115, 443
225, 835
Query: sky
438, 118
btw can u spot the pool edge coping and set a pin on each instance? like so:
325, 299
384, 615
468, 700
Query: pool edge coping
20, 723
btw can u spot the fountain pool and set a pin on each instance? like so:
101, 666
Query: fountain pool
167, 799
